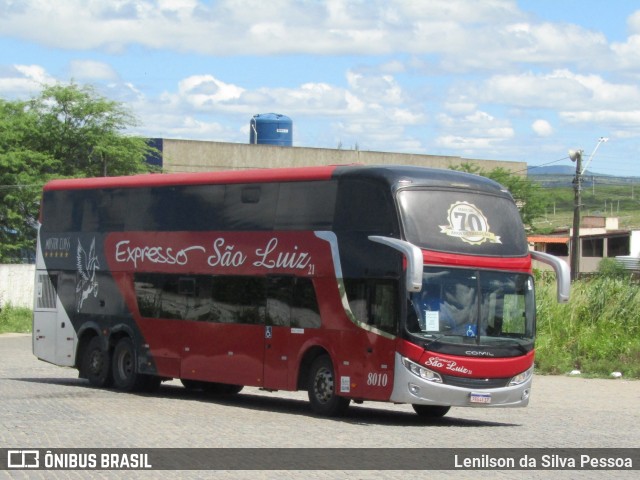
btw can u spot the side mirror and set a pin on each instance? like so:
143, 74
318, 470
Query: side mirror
414, 260
562, 273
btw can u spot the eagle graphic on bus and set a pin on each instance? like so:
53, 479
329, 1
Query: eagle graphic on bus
87, 264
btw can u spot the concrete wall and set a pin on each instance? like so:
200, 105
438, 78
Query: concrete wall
16, 285
198, 156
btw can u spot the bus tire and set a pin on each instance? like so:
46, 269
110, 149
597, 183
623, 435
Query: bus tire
322, 389
192, 385
431, 411
228, 389
96, 364
125, 370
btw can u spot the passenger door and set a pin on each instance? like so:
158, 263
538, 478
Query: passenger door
277, 332
54, 337
374, 302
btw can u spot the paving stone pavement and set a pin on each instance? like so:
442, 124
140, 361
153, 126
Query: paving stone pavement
45, 406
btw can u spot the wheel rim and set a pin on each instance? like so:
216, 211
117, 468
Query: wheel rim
125, 365
96, 362
323, 385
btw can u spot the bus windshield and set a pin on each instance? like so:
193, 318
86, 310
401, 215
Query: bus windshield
481, 224
462, 306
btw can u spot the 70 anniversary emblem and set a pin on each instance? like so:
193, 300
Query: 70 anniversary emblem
468, 223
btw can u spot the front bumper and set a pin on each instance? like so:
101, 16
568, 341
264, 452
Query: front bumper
409, 388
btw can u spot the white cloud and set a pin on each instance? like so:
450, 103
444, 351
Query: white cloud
33, 72
542, 128
477, 131
90, 70
560, 89
373, 111
630, 118
460, 106
512, 71
378, 89
633, 22
627, 54
205, 91
190, 127
466, 144
496, 31
23, 80
611, 107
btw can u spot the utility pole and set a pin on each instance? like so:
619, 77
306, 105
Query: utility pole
576, 156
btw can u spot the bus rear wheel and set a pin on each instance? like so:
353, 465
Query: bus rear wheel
125, 369
431, 411
96, 364
322, 389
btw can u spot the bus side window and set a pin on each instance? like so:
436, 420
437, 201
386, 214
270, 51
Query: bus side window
357, 296
292, 302
240, 299
374, 302
304, 307
384, 313
279, 297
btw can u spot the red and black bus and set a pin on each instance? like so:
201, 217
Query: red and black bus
386, 283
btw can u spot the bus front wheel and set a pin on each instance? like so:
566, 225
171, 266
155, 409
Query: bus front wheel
431, 411
322, 389
96, 364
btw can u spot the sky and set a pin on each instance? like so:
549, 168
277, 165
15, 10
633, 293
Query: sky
518, 80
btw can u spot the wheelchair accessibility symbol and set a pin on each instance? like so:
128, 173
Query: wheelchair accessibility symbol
471, 330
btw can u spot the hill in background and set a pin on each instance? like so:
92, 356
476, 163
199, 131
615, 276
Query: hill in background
602, 195
563, 175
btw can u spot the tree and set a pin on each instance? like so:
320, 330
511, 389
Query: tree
22, 174
526, 193
67, 131
85, 132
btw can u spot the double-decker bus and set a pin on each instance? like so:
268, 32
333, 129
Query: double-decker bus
385, 283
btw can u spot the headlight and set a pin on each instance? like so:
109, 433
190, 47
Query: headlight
521, 377
422, 372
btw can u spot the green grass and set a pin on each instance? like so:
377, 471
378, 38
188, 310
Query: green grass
15, 319
597, 332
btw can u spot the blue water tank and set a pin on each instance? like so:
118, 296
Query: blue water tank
271, 129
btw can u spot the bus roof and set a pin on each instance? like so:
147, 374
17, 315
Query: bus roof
295, 174
393, 175
408, 176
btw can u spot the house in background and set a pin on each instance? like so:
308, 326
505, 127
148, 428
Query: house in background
600, 237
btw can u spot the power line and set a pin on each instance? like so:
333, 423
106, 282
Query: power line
543, 165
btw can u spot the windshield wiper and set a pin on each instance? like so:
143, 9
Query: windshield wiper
433, 340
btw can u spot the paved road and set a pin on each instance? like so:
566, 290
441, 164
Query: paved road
45, 406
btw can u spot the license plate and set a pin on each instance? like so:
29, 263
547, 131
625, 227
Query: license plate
480, 398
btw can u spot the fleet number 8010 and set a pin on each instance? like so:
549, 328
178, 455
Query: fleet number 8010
377, 379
